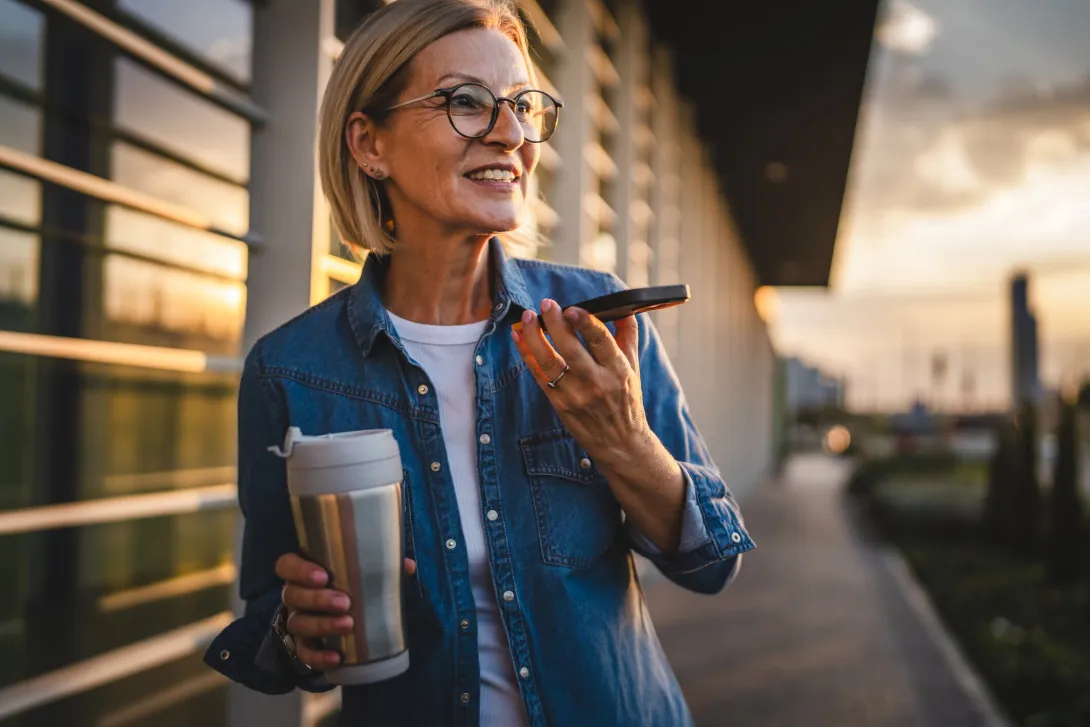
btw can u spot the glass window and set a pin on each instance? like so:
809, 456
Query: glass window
18, 277
148, 303
154, 237
20, 199
20, 126
159, 110
103, 566
21, 43
226, 204
218, 30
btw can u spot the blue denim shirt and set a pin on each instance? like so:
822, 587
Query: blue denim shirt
578, 622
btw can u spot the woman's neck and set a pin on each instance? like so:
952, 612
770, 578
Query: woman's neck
441, 283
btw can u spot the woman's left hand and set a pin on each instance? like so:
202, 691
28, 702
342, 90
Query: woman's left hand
598, 395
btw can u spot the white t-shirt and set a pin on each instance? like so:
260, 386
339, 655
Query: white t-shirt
446, 353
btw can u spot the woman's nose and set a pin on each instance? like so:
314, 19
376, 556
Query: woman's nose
507, 129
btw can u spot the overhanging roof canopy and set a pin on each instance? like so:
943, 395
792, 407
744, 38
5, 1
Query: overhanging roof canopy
777, 86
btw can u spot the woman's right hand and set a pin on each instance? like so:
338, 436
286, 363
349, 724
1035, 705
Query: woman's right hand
315, 611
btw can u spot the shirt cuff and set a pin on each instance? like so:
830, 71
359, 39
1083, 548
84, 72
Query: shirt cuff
693, 532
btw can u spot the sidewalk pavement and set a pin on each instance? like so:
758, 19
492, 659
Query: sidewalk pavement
818, 630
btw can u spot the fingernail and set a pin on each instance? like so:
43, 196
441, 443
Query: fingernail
516, 337
341, 601
333, 659
572, 315
527, 317
318, 577
547, 304
344, 622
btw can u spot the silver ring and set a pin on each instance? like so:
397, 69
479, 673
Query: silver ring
287, 621
555, 382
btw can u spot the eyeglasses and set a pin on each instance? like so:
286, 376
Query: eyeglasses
473, 109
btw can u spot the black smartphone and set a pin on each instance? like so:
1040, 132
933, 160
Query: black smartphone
624, 303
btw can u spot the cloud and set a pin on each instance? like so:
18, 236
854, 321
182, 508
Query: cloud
907, 29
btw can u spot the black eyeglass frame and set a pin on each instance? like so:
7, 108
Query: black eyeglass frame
448, 95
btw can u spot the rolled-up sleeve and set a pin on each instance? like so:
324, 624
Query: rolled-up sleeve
246, 651
713, 531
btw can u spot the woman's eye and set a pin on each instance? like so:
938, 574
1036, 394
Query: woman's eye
465, 101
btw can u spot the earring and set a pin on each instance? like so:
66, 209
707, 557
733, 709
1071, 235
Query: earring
378, 173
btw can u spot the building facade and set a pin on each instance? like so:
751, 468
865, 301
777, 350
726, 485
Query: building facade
1025, 381
159, 211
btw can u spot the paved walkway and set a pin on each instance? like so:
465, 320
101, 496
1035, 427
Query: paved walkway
817, 631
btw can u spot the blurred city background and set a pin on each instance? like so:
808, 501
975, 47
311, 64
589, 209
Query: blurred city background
882, 208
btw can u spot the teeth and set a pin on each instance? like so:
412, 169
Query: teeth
505, 175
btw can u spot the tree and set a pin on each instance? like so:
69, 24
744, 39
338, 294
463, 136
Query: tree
1066, 529
1026, 495
1000, 518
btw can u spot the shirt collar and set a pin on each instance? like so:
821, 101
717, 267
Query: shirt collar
367, 316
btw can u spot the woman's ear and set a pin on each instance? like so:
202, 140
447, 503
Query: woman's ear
360, 134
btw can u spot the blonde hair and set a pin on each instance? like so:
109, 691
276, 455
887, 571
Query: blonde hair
370, 74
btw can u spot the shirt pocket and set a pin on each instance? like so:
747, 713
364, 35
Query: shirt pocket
578, 519
413, 588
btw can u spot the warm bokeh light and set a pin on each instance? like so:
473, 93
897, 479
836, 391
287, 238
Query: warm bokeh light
837, 440
767, 300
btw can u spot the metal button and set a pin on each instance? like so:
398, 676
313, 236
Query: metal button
225, 655
423, 389
584, 463
485, 439
736, 537
451, 544
435, 466
465, 697
492, 515
480, 360
499, 305
524, 672
509, 596
465, 623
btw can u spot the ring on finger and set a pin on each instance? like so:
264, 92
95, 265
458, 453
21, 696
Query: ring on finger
556, 382
287, 621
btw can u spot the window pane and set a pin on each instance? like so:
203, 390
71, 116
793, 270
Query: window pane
161, 111
21, 43
18, 278
226, 204
20, 126
155, 237
180, 694
151, 304
89, 605
218, 30
20, 198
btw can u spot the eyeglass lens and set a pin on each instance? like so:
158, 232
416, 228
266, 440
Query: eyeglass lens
472, 111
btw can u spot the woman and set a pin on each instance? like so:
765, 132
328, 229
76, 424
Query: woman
533, 468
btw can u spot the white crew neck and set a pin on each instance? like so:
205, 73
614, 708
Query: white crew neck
434, 335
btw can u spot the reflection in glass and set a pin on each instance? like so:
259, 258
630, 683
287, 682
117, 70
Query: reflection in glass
144, 234
20, 199
21, 43
18, 276
153, 107
226, 204
218, 30
20, 126
110, 559
194, 306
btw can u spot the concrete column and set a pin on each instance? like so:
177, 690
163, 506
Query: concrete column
290, 74
666, 189
577, 84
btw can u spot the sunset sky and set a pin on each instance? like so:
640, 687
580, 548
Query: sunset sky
972, 159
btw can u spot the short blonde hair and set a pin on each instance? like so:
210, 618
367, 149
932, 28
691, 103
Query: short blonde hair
370, 74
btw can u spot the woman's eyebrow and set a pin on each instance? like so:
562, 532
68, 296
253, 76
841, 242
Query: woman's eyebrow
474, 79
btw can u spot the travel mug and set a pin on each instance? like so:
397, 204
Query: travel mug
346, 501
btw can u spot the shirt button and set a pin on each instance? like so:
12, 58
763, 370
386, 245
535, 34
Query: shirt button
498, 306
225, 655
465, 623
584, 463
451, 544
423, 389
736, 537
524, 672
435, 466
508, 596
480, 360
465, 697
485, 439
492, 515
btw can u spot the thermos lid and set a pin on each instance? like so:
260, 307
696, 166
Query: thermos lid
340, 462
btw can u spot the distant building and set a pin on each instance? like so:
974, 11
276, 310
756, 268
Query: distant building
1025, 385
808, 387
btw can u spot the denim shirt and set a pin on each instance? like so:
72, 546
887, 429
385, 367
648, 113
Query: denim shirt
579, 631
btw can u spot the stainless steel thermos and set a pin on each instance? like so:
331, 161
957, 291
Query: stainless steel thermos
346, 500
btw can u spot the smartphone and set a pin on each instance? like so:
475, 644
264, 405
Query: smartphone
624, 303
